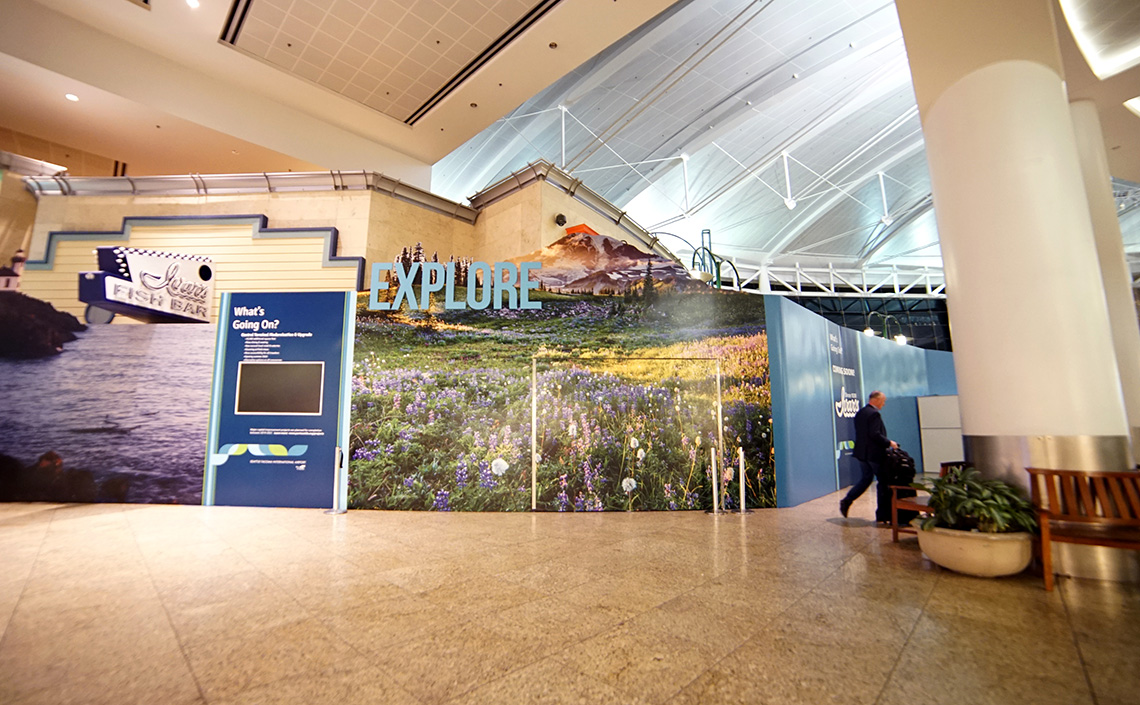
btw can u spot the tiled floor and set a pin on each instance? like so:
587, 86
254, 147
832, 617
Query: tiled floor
160, 604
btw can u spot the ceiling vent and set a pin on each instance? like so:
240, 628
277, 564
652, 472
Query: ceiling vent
526, 22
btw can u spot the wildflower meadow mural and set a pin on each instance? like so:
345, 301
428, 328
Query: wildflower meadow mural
623, 359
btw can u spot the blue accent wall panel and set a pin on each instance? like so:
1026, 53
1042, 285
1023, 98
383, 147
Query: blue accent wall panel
895, 370
802, 424
941, 380
802, 358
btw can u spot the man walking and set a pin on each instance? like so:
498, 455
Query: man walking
871, 445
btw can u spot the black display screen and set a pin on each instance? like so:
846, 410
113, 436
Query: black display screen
280, 387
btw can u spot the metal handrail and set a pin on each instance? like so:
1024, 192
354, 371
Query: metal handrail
262, 182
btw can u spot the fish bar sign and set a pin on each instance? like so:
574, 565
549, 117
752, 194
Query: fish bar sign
153, 286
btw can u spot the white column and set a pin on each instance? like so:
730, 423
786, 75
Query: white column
1113, 264
1033, 346
1032, 342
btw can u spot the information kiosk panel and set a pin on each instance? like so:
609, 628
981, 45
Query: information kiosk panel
278, 411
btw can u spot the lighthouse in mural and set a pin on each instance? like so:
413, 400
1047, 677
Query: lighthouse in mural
10, 276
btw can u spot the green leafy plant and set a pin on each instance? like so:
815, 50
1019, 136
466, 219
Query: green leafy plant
963, 500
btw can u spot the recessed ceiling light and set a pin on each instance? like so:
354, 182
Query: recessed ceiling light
72, 97
193, 3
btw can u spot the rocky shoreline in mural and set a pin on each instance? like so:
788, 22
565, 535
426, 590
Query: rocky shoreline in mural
47, 480
119, 417
33, 328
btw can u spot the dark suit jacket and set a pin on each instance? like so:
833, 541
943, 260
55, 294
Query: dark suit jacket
871, 440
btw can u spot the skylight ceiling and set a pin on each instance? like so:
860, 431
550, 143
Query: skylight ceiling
686, 124
787, 128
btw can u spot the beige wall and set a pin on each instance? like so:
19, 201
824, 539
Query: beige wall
394, 224
348, 211
17, 216
555, 201
78, 162
241, 262
509, 228
371, 225
524, 222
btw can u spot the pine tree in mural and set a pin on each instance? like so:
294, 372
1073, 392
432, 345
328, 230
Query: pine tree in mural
401, 260
418, 256
650, 292
461, 271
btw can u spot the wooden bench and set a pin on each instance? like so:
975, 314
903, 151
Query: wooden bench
1091, 508
913, 504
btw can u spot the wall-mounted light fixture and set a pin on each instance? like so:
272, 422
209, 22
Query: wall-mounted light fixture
887, 318
560, 220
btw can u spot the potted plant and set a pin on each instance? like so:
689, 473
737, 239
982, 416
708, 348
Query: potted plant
977, 526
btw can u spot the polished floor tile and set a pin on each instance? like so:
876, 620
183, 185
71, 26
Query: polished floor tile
211, 605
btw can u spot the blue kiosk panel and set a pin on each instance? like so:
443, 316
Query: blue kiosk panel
278, 415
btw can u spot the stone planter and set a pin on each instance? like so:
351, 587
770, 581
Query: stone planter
976, 553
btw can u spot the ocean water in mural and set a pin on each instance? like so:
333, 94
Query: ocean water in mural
626, 387
120, 414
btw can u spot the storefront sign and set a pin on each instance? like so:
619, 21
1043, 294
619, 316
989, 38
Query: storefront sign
150, 285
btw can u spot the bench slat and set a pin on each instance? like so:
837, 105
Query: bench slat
1068, 490
1133, 497
1085, 492
1118, 496
1104, 501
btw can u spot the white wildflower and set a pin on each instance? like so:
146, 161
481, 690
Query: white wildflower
640, 454
629, 484
633, 443
499, 466
573, 430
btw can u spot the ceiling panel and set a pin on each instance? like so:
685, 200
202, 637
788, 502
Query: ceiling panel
394, 57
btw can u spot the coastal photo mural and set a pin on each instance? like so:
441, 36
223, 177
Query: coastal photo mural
101, 413
624, 354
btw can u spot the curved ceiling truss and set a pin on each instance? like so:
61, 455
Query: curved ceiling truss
787, 129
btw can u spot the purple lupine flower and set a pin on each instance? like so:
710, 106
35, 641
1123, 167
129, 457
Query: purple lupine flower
563, 500
486, 479
441, 500
461, 473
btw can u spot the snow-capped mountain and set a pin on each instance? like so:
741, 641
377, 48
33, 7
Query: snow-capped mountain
584, 262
